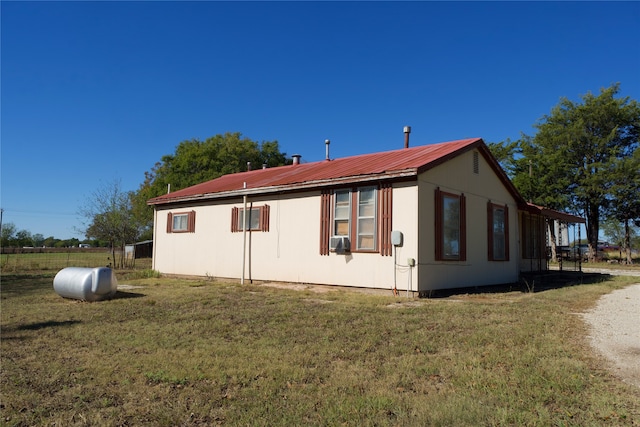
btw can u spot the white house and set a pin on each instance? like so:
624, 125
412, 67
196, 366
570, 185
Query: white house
415, 219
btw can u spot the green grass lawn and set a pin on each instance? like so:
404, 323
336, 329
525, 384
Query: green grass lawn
174, 352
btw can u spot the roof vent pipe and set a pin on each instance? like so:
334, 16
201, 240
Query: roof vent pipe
248, 166
326, 143
264, 166
407, 131
296, 159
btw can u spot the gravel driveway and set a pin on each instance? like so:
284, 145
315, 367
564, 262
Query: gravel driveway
615, 331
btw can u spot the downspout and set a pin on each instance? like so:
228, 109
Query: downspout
155, 238
244, 234
250, 235
395, 268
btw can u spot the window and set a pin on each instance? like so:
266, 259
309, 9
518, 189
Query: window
364, 216
252, 221
359, 215
257, 219
498, 226
450, 227
367, 219
342, 213
181, 222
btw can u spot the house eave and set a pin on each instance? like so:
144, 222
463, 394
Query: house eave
308, 185
551, 213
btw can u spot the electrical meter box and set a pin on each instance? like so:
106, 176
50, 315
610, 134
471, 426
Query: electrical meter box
396, 238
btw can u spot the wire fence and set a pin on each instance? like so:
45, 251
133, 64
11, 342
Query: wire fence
20, 260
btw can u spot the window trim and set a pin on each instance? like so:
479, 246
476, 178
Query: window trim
491, 233
439, 226
191, 222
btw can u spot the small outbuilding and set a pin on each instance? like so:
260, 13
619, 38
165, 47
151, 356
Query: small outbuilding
139, 250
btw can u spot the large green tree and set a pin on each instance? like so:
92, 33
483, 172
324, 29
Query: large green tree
624, 198
196, 161
569, 163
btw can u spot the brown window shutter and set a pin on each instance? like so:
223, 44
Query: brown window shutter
438, 224
489, 231
386, 209
169, 222
506, 233
191, 222
264, 217
234, 220
325, 221
463, 228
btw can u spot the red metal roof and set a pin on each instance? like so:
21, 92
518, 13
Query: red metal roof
388, 164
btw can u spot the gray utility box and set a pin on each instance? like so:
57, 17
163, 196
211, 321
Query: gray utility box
87, 284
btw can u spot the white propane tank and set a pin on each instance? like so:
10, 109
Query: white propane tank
87, 284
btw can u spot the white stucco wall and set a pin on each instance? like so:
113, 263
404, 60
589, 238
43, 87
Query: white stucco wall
289, 251
457, 176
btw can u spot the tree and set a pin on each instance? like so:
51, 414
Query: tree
196, 161
50, 242
7, 234
507, 154
23, 238
110, 217
575, 150
625, 198
539, 184
37, 240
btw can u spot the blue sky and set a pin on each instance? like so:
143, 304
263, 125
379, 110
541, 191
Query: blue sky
97, 92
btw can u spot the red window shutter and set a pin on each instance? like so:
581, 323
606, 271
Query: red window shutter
169, 222
463, 228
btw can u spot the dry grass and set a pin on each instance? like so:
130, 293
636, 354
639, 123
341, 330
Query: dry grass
186, 352
56, 259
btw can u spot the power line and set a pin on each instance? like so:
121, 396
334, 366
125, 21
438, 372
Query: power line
44, 213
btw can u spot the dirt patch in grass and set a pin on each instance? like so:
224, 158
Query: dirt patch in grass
615, 331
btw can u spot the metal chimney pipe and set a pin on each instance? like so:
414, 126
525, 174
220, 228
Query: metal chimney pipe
248, 166
296, 158
326, 143
407, 131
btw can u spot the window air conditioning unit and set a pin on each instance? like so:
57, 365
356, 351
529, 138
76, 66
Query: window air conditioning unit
339, 244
